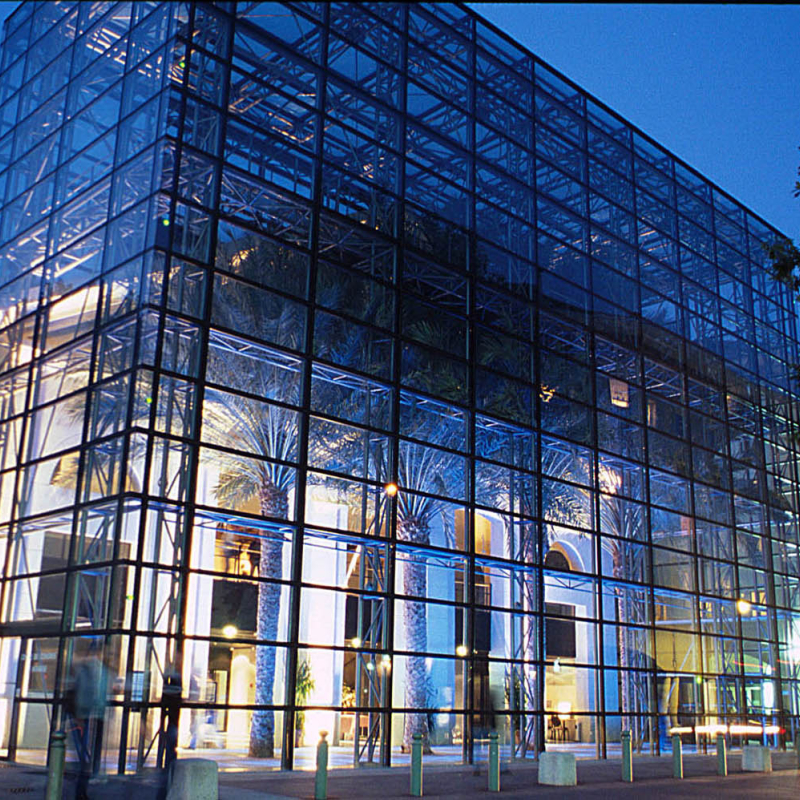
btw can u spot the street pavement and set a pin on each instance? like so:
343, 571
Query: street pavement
596, 779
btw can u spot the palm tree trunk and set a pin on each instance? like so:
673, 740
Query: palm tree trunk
274, 503
626, 700
530, 628
415, 584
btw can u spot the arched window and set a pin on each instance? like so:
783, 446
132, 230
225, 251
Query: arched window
559, 628
555, 559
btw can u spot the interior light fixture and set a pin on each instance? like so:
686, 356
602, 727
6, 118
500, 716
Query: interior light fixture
229, 631
743, 606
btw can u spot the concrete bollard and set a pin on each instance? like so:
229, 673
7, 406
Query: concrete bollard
321, 781
722, 756
557, 769
494, 762
193, 779
55, 766
627, 759
677, 756
416, 765
756, 758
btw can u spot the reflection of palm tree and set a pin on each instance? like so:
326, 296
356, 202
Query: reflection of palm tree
266, 431
417, 471
109, 403
563, 502
422, 469
256, 431
619, 518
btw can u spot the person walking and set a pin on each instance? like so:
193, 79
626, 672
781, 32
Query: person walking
195, 694
87, 701
171, 702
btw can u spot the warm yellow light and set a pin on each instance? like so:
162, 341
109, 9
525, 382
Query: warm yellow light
462, 651
355, 641
390, 489
618, 391
564, 708
238, 258
229, 631
712, 730
741, 730
743, 606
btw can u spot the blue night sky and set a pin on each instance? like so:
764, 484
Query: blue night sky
715, 84
718, 85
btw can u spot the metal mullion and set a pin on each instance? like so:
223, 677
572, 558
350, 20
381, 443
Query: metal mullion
122, 499
19, 467
287, 749
65, 645
767, 540
777, 677
400, 246
161, 311
541, 656
344, 125
740, 676
349, 369
599, 667
281, 404
685, 408
198, 382
771, 600
468, 675
646, 464
700, 704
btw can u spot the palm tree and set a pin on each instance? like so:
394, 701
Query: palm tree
263, 430
619, 518
264, 434
421, 469
259, 438
418, 469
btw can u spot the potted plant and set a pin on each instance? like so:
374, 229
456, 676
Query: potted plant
302, 691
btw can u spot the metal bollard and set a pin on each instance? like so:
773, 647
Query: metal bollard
677, 756
722, 756
627, 762
797, 747
55, 766
321, 781
494, 762
416, 765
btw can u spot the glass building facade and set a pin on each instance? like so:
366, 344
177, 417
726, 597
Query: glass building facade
368, 375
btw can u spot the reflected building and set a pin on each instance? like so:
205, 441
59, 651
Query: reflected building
364, 372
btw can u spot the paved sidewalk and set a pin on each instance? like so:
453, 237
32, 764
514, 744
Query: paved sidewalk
596, 779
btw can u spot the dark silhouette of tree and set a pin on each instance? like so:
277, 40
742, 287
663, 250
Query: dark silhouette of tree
784, 256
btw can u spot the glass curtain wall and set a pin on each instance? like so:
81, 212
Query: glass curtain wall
367, 376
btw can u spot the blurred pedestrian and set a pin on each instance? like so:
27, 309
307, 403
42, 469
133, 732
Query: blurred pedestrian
171, 702
86, 701
195, 730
